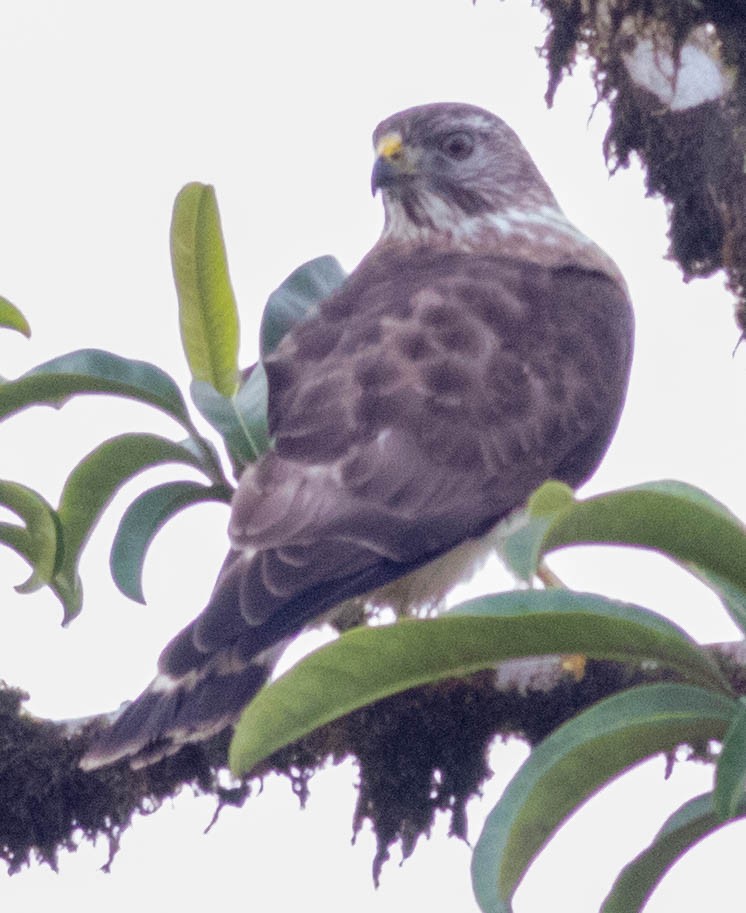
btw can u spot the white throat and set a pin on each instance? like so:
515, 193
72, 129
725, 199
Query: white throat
538, 231
543, 224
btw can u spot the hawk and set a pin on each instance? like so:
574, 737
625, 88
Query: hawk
480, 348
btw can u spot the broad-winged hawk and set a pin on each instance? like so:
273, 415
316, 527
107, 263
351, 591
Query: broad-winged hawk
480, 348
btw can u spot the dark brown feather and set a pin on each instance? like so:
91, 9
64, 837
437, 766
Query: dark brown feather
383, 461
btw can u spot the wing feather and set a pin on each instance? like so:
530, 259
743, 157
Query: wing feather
423, 402
410, 415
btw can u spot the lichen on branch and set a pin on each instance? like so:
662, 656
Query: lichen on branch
674, 76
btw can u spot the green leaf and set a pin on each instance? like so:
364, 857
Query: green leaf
12, 318
143, 519
685, 828
730, 777
241, 420
94, 482
93, 371
251, 408
204, 451
521, 549
297, 297
208, 316
574, 762
38, 542
678, 520
17, 538
367, 664
661, 516
671, 517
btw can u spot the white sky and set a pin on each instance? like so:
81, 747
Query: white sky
106, 110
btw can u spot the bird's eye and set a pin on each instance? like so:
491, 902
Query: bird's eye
458, 145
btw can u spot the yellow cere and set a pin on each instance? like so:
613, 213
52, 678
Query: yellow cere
390, 146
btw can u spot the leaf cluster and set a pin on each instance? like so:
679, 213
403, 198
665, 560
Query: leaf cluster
691, 702
234, 402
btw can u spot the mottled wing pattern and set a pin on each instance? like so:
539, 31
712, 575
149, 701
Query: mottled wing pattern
410, 414
425, 400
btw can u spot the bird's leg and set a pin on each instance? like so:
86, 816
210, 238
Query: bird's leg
574, 663
547, 576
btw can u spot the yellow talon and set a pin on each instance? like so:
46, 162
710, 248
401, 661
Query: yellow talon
575, 664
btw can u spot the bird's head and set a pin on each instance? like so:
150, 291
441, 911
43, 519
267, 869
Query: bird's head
439, 166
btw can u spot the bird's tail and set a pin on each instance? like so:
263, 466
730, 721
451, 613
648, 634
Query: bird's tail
174, 711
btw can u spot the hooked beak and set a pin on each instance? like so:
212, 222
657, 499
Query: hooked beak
394, 161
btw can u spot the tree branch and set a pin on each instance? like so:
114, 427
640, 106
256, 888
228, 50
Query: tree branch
418, 752
674, 77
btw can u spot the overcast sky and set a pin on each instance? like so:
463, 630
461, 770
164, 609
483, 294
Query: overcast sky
106, 111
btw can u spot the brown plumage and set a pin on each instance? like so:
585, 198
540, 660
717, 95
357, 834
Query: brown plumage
482, 347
